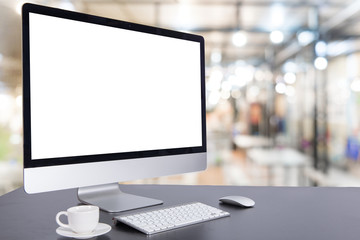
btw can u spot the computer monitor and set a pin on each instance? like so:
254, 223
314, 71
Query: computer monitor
107, 101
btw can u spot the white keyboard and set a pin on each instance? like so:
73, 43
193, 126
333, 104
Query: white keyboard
169, 218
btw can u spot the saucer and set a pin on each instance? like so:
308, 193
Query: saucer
100, 229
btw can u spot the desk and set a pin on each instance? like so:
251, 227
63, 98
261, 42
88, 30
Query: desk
280, 213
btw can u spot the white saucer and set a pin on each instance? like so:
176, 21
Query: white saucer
101, 229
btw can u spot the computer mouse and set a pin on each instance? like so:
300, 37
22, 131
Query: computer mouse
238, 201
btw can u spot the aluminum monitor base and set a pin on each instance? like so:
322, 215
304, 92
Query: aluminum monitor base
111, 199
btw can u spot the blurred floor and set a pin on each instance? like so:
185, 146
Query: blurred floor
237, 169
232, 168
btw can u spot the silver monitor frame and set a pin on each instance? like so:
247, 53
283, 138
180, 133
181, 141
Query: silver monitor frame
101, 187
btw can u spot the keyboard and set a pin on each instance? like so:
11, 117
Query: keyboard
164, 219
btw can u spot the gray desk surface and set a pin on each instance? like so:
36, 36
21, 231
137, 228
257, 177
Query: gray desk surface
279, 213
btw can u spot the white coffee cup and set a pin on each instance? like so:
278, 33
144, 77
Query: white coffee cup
82, 219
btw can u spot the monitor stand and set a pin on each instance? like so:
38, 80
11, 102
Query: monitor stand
111, 199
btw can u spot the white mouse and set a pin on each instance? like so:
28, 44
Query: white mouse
238, 201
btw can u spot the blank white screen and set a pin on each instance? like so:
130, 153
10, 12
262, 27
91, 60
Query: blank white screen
97, 89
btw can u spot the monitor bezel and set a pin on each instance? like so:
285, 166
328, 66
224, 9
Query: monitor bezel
32, 163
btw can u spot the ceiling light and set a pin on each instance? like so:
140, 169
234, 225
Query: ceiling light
216, 56
246, 73
280, 88
320, 48
214, 98
305, 37
320, 63
184, 16
252, 93
277, 15
276, 37
290, 78
290, 66
239, 39
236, 82
355, 85
259, 75
19, 7
67, 5
226, 85
225, 94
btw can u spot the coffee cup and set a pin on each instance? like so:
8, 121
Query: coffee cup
81, 219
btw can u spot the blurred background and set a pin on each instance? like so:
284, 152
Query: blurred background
282, 83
